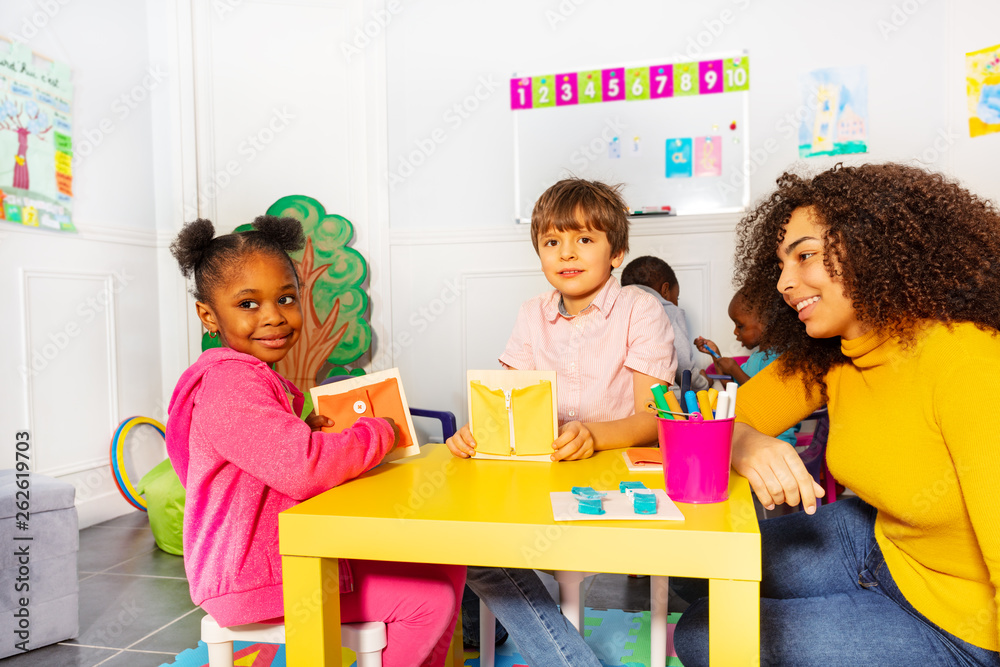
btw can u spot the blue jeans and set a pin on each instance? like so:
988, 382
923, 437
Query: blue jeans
543, 636
827, 598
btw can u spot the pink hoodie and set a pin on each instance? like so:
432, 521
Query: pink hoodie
244, 455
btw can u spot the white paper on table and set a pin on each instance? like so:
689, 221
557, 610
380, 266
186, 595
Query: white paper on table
617, 507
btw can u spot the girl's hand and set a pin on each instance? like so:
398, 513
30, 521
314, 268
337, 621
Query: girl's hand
704, 345
727, 366
317, 422
774, 470
462, 444
395, 432
575, 442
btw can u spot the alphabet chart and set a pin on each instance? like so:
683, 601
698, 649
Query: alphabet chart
672, 133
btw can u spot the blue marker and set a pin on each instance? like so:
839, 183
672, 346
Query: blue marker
712, 352
691, 402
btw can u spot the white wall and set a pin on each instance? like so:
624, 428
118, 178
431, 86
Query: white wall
451, 170
81, 338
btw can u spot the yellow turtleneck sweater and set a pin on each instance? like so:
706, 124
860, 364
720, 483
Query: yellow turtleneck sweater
915, 432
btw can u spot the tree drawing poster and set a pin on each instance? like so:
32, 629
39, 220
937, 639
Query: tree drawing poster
36, 145
837, 122
982, 82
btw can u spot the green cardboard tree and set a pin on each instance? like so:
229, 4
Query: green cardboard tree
335, 331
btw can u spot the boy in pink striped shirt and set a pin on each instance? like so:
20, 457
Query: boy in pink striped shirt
608, 345
605, 342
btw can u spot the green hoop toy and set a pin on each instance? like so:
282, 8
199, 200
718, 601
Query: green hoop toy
125, 487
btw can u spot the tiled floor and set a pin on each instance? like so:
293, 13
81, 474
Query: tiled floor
135, 609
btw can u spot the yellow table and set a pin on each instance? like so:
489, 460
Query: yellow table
434, 508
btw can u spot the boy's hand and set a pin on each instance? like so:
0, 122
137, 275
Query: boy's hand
704, 345
774, 470
317, 422
462, 444
575, 442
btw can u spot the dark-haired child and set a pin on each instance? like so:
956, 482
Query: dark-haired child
747, 328
608, 344
653, 275
243, 454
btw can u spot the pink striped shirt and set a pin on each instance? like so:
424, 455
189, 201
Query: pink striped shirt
595, 352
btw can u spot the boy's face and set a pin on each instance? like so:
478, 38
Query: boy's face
748, 329
577, 262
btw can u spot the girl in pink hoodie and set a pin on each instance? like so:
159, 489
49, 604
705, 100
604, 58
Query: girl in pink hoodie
243, 455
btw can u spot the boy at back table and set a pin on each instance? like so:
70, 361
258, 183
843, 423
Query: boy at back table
608, 345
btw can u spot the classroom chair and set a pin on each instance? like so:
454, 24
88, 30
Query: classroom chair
366, 639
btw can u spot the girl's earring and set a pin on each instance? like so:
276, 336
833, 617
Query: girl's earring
213, 334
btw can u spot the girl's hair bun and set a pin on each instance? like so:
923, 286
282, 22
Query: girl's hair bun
191, 244
285, 233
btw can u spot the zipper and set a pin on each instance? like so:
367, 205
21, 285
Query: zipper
510, 420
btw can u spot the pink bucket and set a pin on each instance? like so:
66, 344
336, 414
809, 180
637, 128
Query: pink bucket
696, 459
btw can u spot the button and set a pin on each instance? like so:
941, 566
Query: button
572, 414
360, 407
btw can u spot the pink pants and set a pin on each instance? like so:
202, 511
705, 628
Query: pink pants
418, 602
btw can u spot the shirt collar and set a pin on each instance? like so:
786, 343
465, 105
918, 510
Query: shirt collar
870, 349
603, 302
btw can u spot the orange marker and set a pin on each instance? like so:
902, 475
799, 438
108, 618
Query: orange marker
675, 406
704, 405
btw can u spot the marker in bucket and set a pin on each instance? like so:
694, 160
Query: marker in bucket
704, 404
659, 398
691, 401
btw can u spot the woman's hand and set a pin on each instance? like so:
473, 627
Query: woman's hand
462, 444
774, 470
318, 422
575, 442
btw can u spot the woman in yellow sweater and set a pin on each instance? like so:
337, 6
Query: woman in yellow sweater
887, 309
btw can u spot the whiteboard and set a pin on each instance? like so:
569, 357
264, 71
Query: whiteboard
632, 141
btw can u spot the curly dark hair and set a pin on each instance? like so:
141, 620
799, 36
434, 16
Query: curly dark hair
210, 259
911, 246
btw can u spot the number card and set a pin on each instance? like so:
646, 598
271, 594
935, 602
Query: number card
544, 89
685, 79
614, 84
737, 74
679, 158
520, 93
661, 81
710, 77
589, 86
566, 88
708, 156
638, 84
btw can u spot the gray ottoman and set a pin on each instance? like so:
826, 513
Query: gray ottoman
39, 603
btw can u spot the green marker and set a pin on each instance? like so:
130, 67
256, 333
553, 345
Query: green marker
659, 398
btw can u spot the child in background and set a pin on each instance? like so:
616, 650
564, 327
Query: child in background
748, 329
608, 345
243, 454
653, 275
